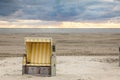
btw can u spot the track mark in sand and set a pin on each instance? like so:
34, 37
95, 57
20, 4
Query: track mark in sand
106, 60
87, 78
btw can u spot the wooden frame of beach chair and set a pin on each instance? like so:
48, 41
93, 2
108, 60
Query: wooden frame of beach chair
40, 57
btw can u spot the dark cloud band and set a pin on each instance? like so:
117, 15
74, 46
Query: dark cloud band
60, 10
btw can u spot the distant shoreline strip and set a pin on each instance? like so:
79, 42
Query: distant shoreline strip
59, 30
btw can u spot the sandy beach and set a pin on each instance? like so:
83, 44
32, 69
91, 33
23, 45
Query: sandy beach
66, 43
79, 56
68, 68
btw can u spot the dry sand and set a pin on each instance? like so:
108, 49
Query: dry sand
68, 68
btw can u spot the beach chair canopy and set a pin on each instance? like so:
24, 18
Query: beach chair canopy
39, 51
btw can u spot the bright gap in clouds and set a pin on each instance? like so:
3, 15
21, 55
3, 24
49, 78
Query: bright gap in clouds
53, 24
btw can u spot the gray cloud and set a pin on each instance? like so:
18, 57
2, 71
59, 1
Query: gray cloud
8, 7
60, 10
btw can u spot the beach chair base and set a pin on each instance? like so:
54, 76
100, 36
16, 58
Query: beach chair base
37, 70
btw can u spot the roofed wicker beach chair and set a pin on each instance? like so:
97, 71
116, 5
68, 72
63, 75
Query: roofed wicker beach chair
40, 57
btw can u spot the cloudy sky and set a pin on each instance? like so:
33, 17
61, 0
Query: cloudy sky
60, 13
